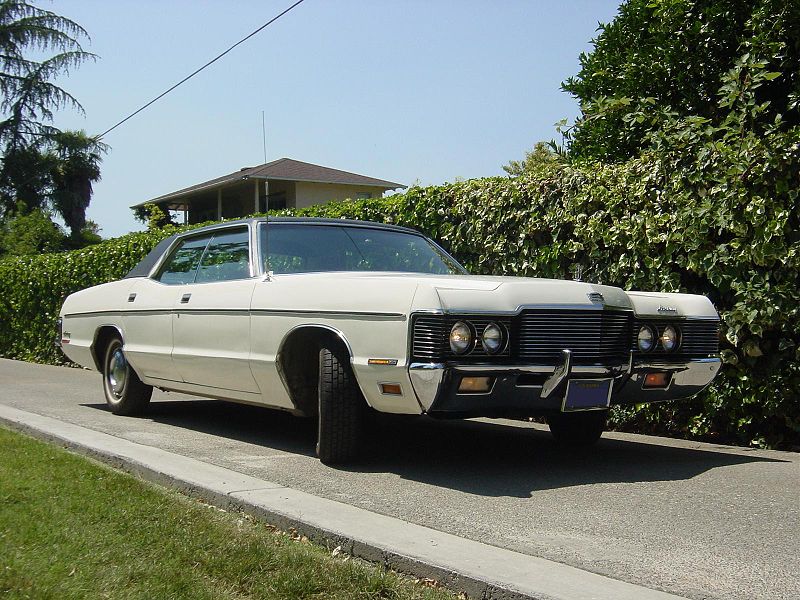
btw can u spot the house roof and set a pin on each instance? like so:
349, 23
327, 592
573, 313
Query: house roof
285, 169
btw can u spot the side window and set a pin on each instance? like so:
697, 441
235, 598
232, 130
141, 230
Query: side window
227, 257
182, 265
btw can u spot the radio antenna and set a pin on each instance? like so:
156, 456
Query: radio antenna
267, 271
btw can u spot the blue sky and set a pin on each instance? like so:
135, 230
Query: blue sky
412, 91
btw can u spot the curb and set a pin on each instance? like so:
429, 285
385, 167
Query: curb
462, 565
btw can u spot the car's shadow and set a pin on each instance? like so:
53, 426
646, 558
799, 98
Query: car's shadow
483, 458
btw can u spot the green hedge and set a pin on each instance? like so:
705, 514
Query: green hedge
648, 224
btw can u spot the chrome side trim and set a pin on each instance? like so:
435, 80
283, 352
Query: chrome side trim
222, 311
331, 313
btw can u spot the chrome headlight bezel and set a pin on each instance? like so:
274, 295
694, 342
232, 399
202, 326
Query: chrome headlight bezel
466, 337
640, 335
670, 338
501, 338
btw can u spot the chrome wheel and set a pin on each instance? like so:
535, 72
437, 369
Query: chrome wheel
125, 393
117, 372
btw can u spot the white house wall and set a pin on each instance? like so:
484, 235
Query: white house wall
307, 194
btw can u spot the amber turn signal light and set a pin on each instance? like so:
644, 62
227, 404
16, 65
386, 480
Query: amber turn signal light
659, 379
475, 385
392, 389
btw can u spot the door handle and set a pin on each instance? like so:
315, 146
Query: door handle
131, 297
185, 298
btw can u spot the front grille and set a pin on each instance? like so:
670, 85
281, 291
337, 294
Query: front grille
593, 336
430, 339
430, 336
699, 337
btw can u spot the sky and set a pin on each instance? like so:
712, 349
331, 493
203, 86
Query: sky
414, 91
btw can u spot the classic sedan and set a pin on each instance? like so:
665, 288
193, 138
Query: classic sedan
332, 318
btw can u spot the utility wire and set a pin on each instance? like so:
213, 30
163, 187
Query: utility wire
208, 64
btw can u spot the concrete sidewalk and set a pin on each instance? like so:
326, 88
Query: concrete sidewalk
480, 570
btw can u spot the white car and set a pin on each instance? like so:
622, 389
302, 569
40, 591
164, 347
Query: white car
325, 318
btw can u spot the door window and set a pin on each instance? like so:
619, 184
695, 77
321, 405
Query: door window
227, 257
181, 267
221, 257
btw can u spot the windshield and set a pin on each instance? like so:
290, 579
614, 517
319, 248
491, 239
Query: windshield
298, 248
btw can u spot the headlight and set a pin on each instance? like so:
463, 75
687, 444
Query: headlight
460, 338
669, 338
646, 338
492, 338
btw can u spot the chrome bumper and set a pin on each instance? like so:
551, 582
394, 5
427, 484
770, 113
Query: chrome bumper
436, 384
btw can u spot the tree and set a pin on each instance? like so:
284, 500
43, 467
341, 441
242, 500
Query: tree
74, 167
661, 60
29, 96
33, 233
539, 156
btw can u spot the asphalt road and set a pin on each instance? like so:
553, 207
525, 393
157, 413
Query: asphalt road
697, 520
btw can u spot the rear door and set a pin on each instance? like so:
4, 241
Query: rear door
211, 322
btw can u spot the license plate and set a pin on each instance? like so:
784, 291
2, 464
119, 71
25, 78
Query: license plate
586, 394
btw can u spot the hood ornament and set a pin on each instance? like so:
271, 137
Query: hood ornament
667, 309
577, 271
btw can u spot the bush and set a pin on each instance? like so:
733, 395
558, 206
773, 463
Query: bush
33, 233
32, 289
677, 221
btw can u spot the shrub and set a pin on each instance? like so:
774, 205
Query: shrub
32, 233
713, 218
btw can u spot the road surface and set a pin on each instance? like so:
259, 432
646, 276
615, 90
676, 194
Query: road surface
693, 519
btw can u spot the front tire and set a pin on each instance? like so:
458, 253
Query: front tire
125, 393
578, 429
341, 409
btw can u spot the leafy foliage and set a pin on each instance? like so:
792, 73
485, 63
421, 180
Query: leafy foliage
34, 233
541, 153
661, 60
677, 222
153, 216
75, 160
41, 166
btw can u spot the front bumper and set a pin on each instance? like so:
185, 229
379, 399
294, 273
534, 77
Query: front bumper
533, 390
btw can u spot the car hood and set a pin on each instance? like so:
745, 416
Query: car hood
509, 294
481, 293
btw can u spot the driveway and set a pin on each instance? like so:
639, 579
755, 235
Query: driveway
698, 520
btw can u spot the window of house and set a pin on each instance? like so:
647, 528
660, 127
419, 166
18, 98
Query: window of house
363, 195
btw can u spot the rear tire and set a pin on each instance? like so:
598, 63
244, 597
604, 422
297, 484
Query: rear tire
341, 409
125, 393
578, 429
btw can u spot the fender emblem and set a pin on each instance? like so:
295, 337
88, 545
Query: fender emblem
596, 297
667, 309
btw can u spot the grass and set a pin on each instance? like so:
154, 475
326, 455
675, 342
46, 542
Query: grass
72, 528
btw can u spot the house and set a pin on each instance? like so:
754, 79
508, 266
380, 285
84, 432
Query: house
282, 183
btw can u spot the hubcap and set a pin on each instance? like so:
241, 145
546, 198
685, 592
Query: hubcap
117, 372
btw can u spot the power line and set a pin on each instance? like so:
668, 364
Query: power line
208, 64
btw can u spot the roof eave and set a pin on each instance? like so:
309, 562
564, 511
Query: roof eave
176, 195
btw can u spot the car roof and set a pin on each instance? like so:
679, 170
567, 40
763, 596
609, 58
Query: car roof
304, 221
145, 266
